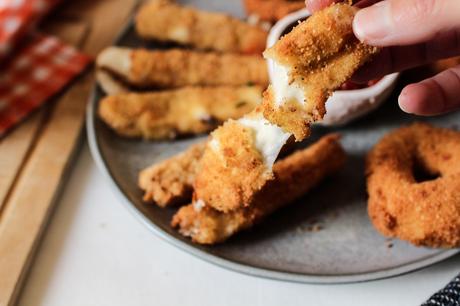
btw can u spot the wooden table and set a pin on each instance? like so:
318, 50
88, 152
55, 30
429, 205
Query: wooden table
35, 157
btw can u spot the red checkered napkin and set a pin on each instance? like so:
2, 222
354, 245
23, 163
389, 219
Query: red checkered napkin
33, 67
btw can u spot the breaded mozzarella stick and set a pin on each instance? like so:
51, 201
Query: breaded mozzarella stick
177, 68
185, 111
294, 176
166, 21
238, 160
310, 62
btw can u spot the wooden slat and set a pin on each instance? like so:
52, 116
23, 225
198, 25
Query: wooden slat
13, 151
29, 204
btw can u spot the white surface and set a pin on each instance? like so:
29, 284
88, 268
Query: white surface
96, 253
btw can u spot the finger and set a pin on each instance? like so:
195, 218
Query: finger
405, 22
316, 5
399, 58
433, 96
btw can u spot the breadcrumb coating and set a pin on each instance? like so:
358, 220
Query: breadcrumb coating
423, 211
170, 182
185, 111
293, 177
167, 21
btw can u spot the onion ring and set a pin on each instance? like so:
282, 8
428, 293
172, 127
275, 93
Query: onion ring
422, 210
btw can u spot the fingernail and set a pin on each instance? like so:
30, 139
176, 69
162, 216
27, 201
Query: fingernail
372, 24
403, 102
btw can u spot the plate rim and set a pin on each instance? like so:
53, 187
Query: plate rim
101, 164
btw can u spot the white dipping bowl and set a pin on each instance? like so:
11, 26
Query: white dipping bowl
343, 106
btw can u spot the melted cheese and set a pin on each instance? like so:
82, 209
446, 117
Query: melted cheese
283, 90
269, 138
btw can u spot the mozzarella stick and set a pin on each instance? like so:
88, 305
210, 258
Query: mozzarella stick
166, 21
172, 113
238, 161
177, 68
170, 182
294, 176
310, 62
317, 57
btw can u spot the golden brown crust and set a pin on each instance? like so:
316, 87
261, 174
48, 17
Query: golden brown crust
167, 114
166, 21
272, 10
424, 213
170, 182
231, 170
294, 176
177, 68
321, 54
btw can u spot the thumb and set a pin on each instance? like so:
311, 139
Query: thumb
433, 96
405, 22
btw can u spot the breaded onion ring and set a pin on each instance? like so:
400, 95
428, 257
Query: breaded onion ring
423, 212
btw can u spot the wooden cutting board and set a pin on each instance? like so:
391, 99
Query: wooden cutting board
35, 157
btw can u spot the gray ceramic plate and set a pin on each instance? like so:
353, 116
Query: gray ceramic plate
346, 249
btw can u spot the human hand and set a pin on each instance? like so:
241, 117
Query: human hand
412, 33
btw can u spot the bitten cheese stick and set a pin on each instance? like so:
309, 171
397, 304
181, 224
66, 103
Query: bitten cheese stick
314, 59
238, 161
166, 21
310, 62
185, 111
177, 68
294, 176
170, 182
